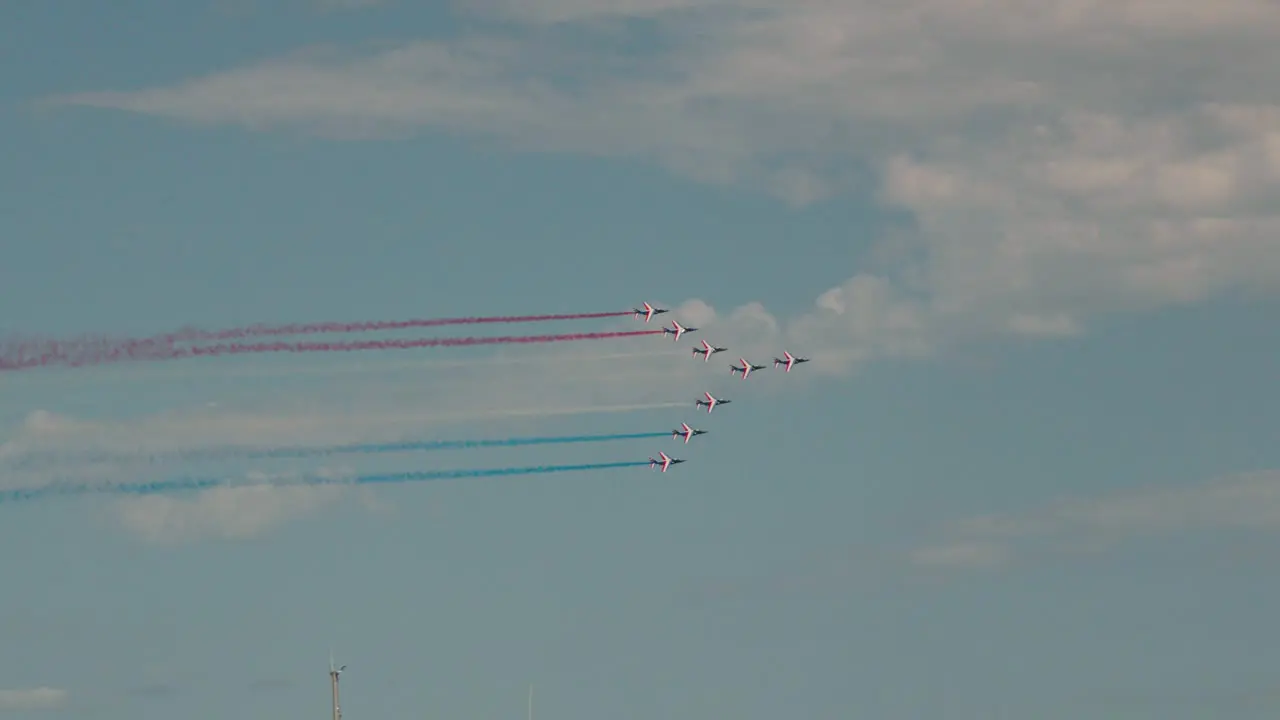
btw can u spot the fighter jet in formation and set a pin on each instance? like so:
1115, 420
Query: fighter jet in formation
665, 462
745, 368
707, 350
789, 361
676, 330
648, 312
686, 432
711, 402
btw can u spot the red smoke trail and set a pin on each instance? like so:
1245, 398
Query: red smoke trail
79, 354
32, 353
366, 326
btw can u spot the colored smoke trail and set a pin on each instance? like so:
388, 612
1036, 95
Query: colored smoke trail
427, 445
108, 352
42, 347
302, 451
191, 334
43, 457
189, 484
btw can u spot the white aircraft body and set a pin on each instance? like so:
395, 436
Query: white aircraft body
686, 432
711, 402
665, 462
648, 312
707, 350
789, 361
677, 330
745, 368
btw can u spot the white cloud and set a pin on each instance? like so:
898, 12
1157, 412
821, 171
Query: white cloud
41, 698
1052, 325
1248, 502
225, 513
1060, 158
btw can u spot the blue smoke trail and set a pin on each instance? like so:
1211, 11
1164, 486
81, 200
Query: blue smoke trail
302, 451
181, 484
407, 446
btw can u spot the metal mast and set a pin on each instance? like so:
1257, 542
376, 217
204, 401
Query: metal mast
333, 680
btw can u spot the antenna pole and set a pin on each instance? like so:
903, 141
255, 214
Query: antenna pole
333, 680
530, 701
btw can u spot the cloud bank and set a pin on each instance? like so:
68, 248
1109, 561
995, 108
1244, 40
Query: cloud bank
1059, 158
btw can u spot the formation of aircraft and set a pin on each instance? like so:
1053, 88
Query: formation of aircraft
666, 461
789, 361
707, 350
677, 330
649, 311
687, 432
745, 368
709, 401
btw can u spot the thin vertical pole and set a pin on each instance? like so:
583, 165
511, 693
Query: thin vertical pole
333, 680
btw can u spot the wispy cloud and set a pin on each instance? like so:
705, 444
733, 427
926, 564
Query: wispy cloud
1059, 161
1243, 502
224, 513
41, 698
965, 555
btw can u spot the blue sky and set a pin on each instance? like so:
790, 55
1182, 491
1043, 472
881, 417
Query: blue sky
1033, 470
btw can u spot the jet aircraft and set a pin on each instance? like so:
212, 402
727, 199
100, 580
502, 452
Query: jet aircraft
665, 462
711, 402
745, 368
707, 350
687, 432
648, 312
789, 361
677, 330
